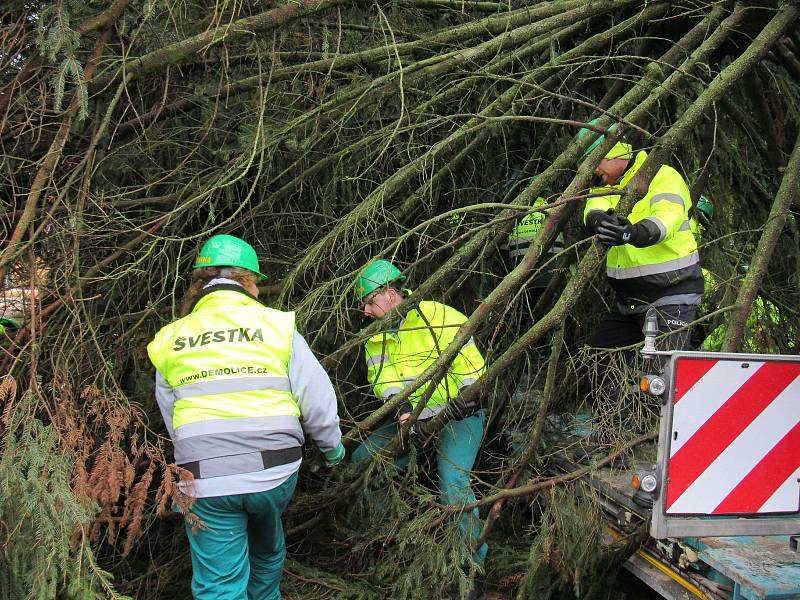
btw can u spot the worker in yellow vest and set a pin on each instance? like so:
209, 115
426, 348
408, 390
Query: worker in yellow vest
525, 231
237, 385
396, 356
652, 261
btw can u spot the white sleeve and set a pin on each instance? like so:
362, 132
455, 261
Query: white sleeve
314, 393
165, 396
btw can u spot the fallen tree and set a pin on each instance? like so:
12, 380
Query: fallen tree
328, 133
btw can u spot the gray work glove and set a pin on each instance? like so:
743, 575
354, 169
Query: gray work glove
459, 409
421, 434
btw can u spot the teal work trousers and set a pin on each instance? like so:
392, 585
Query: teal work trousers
457, 446
238, 554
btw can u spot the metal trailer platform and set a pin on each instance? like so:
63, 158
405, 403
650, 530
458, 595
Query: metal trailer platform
711, 568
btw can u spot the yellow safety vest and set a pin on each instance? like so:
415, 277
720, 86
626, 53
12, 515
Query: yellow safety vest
527, 229
667, 272
396, 358
227, 364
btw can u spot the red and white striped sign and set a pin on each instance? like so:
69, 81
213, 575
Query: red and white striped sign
735, 444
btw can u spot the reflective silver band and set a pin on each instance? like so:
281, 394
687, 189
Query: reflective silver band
247, 462
685, 226
668, 197
662, 229
230, 386
378, 360
469, 342
466, 381
227, 437
645, 270
391, 391
244, 424
684, 299
428, 413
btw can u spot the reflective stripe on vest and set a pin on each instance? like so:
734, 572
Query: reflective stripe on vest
428, 413
467, 381
658, 268
378, 360
667, 197
390, 391
229, 386
242, 463
685, 226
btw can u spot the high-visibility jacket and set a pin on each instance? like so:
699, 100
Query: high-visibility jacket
396, 358
526, 231
228, 363
697, 229
668, 272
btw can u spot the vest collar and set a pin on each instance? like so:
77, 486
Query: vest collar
220, 281
410, 319
242, 296
632, 168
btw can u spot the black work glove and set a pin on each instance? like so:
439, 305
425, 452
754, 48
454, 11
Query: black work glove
458, 409
595, 218
642, 234
421, 433
620, 233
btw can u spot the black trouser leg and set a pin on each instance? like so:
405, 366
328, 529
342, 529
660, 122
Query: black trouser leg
618, 330
673, 318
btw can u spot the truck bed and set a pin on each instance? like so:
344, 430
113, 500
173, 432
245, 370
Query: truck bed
713, 568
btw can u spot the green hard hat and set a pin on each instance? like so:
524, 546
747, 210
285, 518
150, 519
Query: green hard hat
620, 149
228, 251
584, 131
379, 273
9, 323
705, 206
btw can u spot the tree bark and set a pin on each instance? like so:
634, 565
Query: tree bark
788, 193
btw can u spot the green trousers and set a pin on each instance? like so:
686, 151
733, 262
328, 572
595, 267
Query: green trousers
239, 553
456, 448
